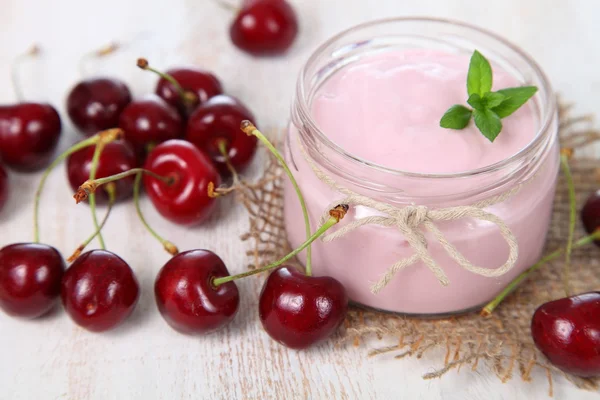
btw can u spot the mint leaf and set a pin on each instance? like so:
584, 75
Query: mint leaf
457, 117
488, 123
479, 77
514, 98
493, 99
476, 102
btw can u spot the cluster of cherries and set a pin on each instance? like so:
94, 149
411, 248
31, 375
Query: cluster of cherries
180, 142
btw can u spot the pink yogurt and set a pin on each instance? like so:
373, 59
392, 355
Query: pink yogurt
385, 109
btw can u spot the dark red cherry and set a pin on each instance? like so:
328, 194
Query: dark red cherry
116, 157
299, 311
186, 297
29, 133
185, 199
567, 331
265, 27
99, 290
219, 120
590, 213
95, 104
148, 122
3, 186
30, 275
201, 83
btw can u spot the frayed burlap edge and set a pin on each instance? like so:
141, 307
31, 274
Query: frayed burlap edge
502, 341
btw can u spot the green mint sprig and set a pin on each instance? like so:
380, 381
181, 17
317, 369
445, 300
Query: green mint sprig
488, 107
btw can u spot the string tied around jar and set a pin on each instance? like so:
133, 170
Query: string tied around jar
413, 221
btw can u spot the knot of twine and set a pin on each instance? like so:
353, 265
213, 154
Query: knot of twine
409, 220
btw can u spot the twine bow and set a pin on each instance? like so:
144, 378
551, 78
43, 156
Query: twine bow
409, 220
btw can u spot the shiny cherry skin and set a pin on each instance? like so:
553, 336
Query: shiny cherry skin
200, 82
567, 331
116, 157
590, 213
299, 311
148, 122
264, 27
219, 120
30, 276
185, 199
186, 297
4, 187
99, 290
95, 104
29, 133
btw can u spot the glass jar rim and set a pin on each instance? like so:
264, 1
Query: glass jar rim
547, 117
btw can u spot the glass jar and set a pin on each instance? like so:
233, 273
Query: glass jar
361, 257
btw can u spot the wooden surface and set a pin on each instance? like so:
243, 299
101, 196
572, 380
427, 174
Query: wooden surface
52, 358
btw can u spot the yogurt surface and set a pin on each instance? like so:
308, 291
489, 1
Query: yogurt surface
386, 109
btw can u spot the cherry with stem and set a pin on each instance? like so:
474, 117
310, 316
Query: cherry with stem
29, 131
249, 128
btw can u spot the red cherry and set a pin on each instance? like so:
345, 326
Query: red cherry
186, 297
29, 133
219, 120
201, 83
150, 121
567, 331
30, 275
590, 213
299, 311
3, 186
116, 157
99, 290
185, 200
265, 27
95, 104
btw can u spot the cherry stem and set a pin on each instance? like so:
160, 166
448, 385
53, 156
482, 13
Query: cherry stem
228, 6
103, 51
107, 136
335, 216
88, 187
14, 71
223, 149
186, 96
565, 155
249, 128
491, 306
111, 190
167, 245
92, 197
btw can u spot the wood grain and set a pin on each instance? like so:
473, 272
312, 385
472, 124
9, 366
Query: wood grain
145, 359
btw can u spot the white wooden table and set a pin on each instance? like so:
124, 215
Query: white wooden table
144, 359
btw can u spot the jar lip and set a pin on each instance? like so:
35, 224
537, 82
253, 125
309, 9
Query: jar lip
549, 105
